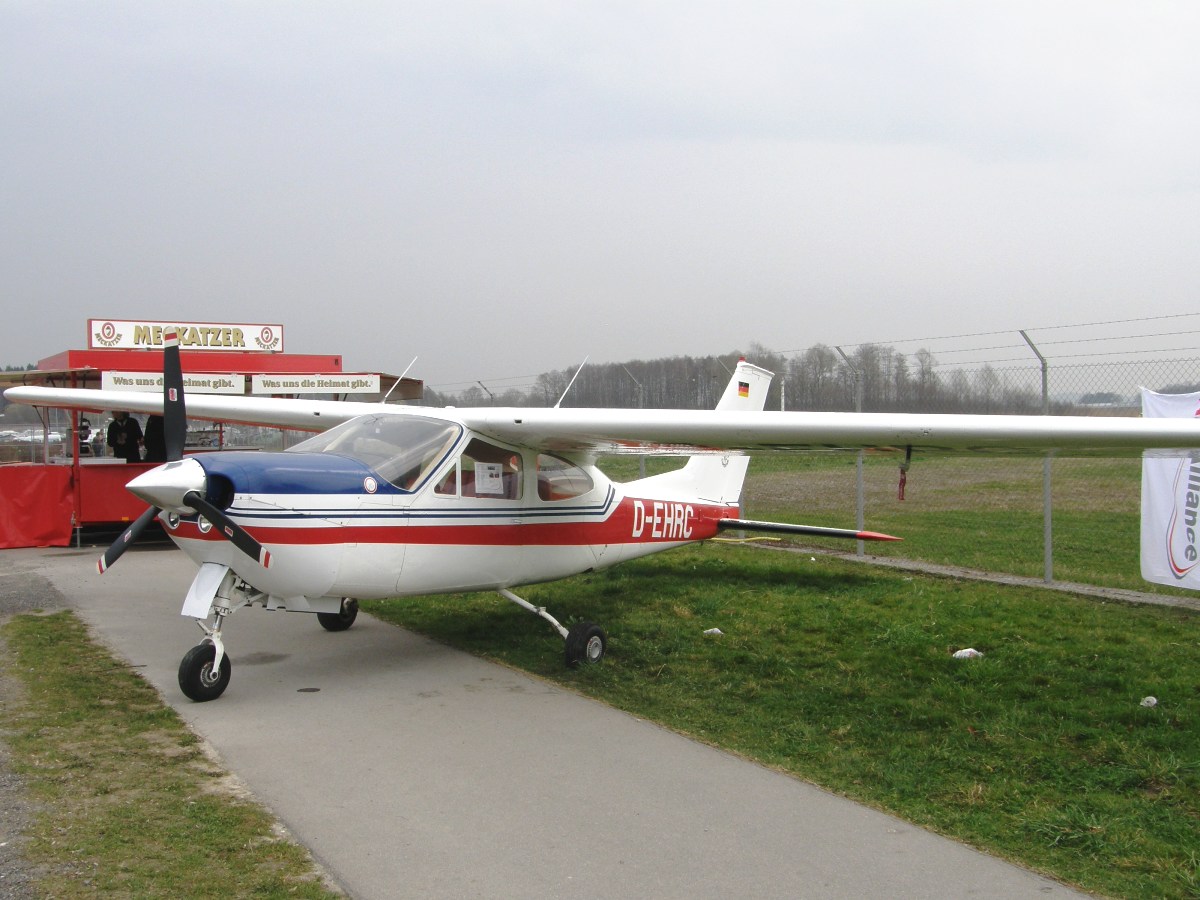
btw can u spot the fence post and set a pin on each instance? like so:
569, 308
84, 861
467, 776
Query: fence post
859, 492
1047, 494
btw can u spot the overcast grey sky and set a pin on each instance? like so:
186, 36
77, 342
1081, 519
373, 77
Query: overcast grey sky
504, 188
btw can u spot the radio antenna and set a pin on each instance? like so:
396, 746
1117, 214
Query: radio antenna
399, 379
571, 382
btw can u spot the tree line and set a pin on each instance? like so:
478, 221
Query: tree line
874, 377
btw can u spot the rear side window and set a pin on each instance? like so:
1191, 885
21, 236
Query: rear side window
560, 479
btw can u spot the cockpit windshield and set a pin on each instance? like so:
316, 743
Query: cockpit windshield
401, 449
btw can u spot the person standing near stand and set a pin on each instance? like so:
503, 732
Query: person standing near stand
155, 440
124, 436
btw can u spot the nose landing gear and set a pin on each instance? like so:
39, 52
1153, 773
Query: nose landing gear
205, 669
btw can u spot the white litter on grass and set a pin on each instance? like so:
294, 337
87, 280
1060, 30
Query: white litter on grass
1149, 702
714, 631
968, 653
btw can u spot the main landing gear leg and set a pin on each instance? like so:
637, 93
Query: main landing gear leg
585, 641
205, 669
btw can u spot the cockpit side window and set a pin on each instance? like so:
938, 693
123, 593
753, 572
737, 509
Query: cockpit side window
486, 471
560, 479
401, 449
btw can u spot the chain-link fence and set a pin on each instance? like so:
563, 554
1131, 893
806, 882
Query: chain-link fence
1058, 518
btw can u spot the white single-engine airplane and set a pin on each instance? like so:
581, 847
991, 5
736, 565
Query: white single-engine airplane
398, 500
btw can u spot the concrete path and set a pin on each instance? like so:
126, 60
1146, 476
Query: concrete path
413, 770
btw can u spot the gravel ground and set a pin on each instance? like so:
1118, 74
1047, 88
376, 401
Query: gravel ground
20, 591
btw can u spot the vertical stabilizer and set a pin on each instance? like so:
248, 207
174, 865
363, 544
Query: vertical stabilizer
747, 389
718, 478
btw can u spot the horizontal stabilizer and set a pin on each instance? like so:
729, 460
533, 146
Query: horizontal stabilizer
810, 530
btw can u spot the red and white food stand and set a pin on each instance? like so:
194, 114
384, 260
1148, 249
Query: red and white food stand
75, 484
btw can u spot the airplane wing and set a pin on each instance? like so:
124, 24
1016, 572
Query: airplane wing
686, 432
682, 432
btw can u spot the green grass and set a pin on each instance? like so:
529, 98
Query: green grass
129, 805
1039, 751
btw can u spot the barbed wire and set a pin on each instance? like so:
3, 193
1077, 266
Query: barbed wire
1118, 321
1123, 337
974, 364
957, 337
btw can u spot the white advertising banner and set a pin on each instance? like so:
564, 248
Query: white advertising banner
314, 384
193, 382
1171, 501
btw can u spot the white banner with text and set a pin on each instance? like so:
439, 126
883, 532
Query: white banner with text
193, 383
1171, 501
314, 384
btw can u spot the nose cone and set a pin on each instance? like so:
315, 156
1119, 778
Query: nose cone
166, 486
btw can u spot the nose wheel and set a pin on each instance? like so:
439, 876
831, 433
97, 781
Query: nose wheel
201, 677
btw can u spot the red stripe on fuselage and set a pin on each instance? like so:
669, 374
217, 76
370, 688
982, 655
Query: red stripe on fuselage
634, 521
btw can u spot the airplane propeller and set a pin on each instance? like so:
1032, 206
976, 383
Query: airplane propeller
175, 437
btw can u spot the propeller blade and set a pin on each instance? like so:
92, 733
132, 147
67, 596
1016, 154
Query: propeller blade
233, 531
174, 412
128, 536
175, 434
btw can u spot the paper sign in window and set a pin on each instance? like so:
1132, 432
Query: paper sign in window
489, 478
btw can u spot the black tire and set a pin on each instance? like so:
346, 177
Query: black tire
586, 643
340, 621
196, 677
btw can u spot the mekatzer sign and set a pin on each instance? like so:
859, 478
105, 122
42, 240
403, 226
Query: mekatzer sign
124, 334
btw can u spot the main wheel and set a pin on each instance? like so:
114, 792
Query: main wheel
340, 621
586, 643
197, 679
